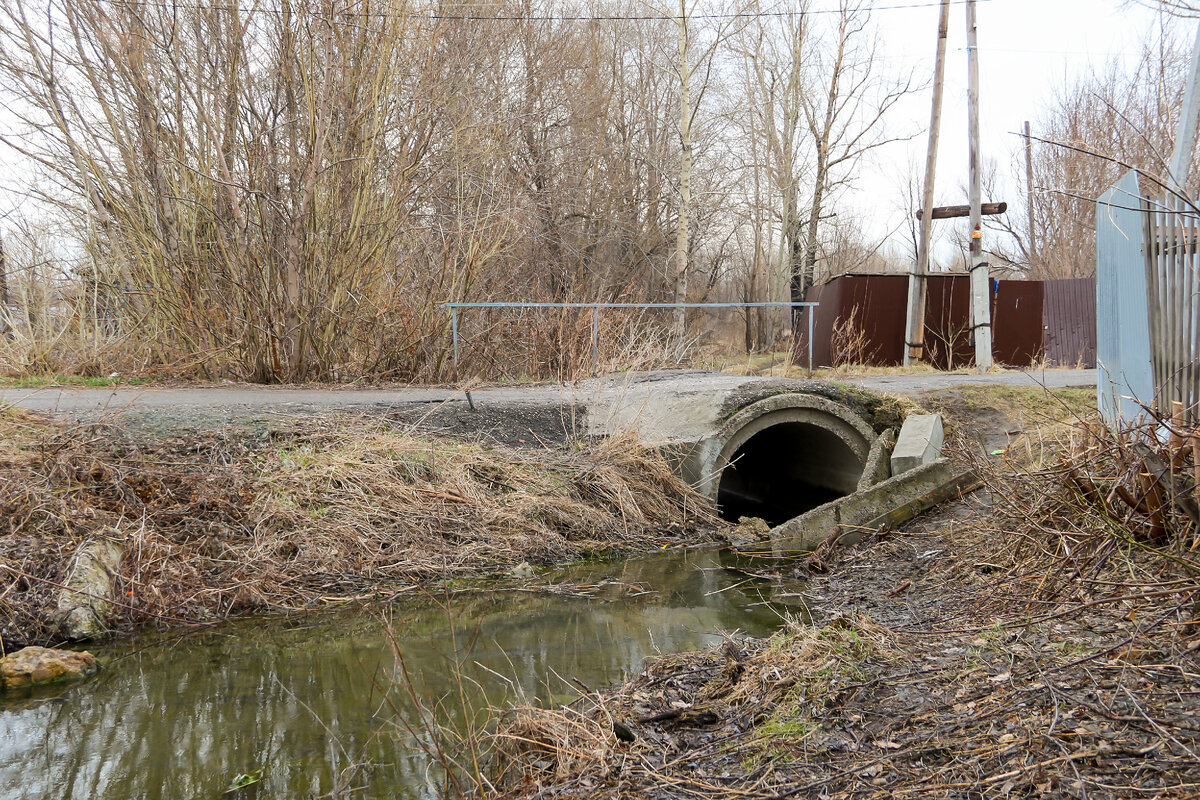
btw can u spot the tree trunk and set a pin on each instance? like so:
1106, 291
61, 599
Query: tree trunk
804, 258
679, 294
4, 325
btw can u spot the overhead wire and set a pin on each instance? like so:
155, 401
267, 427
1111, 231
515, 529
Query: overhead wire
660, 17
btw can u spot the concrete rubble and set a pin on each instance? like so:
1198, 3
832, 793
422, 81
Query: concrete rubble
920, 442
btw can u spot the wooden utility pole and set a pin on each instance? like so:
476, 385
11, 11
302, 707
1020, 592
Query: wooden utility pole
981, 290
685, 175
914, 330
1031, 218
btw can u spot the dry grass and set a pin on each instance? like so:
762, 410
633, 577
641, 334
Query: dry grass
537, 744
781, 364
1041, 641
220, 524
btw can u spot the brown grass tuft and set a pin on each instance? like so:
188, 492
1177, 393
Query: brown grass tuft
222, 523
532, 744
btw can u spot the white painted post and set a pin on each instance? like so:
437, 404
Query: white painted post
981, 290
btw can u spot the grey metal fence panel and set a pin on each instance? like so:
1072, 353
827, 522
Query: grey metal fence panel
1125, 380
1170, 264
807, 309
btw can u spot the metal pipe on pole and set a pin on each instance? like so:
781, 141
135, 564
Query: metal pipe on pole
1030, 216
981, 290
1185, 139
914, 329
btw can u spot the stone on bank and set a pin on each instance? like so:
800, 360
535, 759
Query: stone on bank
33, 666
85, 602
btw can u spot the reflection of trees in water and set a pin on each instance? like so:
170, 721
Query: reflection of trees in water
181, 719
183, 724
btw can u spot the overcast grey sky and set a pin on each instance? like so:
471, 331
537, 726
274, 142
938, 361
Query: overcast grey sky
1028, 50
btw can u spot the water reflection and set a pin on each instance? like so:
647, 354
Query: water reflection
303, 701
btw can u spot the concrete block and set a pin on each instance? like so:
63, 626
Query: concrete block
855, 516
920, 442
803, 533
878, 468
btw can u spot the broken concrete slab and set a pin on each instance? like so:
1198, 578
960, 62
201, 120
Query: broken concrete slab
920, 442
848, 520
85, 602
878, 467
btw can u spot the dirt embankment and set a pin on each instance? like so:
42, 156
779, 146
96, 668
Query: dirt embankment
1040, 639
312, 510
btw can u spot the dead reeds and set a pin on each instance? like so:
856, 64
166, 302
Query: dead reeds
1097, 514
221, 523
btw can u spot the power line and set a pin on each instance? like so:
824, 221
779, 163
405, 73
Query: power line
168, 5
671, 17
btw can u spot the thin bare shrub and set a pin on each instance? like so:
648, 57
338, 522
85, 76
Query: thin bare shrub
554, 343
1102, 516
849, 342
287, 191
53, 320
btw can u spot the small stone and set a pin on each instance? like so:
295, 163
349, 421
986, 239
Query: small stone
522, 571
749, 531
32, 666
85, 602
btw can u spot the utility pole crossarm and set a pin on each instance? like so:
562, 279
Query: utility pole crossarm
950, 212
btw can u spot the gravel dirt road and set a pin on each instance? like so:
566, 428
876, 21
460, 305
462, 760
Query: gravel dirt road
246, 400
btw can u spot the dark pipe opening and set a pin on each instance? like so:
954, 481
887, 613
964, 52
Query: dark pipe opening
787, 469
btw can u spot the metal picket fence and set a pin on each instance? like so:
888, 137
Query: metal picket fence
454, 309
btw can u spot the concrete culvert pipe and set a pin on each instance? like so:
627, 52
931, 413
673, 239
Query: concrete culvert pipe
786, 455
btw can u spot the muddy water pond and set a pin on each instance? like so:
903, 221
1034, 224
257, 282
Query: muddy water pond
305, 706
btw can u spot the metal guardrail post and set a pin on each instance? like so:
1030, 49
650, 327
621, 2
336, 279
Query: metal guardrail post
809, 314
595, 341
454, 334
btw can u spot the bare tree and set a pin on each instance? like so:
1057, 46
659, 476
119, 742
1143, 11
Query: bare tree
1103, 120
775, 63
845, 113
1177, 8
287, 190
5, 324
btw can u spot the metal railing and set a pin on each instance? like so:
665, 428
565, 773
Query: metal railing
454, 308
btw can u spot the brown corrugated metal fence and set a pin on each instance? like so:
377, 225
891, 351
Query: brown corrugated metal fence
947, 321
861, 320
1017, 325
1070, 322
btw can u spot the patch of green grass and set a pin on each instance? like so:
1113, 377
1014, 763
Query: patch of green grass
792, 729
25, 383
1065, 405
297, 457
90, 381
